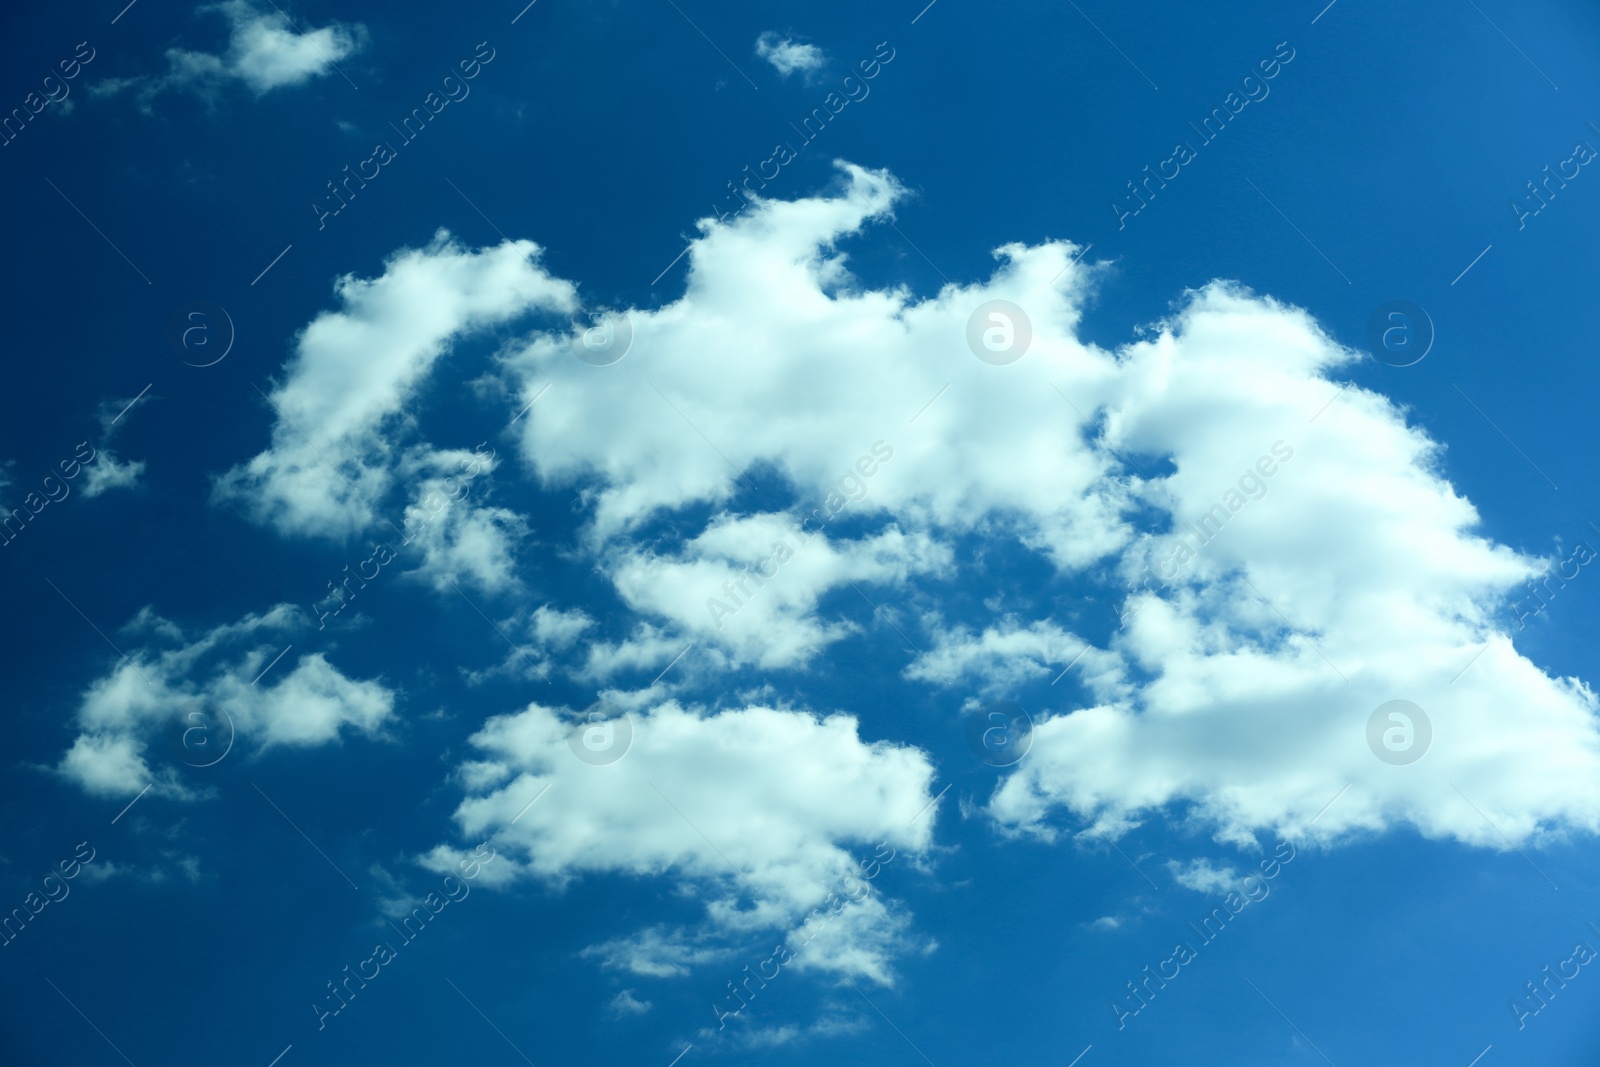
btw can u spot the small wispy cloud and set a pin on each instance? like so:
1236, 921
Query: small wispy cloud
789, 56
266, 50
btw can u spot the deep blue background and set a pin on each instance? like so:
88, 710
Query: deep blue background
1395, 140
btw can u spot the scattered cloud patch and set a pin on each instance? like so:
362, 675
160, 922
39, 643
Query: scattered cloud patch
789, 56
111, 473
539, 637
265, 51
1202, 876
342, 446
625, 1004
107, 472
1002, 658
837, 1021
792, 799
655, 952
708, 591
141, 724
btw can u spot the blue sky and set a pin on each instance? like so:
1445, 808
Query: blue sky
717, 418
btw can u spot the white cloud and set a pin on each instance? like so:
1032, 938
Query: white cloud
181, 866
707, 592
538, 637
557, 628
836, 1022
113, 410
107, 472
840, 369
265, 52
1348, 576
1202, 876
106, 764
625, 1003
154, 714
789, 56
797, 804
460, 543
827, 409
655, 952
1001, 658
334, 463
647, 648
